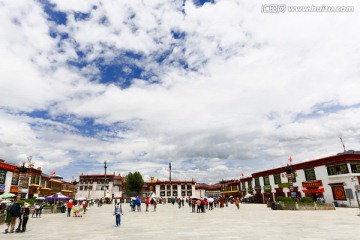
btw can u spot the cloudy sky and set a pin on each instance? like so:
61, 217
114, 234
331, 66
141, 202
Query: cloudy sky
218, 88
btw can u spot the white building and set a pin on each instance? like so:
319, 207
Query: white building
333, 178
167, 188
98, 186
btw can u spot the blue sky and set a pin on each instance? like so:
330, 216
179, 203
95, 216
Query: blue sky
216, 87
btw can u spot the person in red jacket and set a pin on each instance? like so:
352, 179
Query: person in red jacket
69, 206
147, 202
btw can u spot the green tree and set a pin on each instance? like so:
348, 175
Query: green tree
134, 184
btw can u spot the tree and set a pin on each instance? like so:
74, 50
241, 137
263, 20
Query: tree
134, 184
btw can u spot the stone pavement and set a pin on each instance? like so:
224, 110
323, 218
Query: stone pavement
169, 222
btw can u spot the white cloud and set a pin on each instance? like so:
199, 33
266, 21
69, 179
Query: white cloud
259, 87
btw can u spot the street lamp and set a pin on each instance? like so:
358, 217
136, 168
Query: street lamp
105, 179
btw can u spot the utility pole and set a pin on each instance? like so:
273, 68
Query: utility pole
342, 144
170, 179
105, 179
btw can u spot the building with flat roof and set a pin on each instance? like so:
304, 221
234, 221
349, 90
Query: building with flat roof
334, 178
167, 188
96, 186
28, 182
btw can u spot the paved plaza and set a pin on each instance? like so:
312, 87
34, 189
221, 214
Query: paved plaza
252, 221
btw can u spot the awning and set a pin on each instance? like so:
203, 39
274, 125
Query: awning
318, 190
54, 180
67, 191
337, 184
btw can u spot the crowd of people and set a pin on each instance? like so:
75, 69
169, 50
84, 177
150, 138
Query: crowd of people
198, 205
135, 204
77, 208
17, 214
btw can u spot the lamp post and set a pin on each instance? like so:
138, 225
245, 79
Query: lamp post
171, 192
105, 179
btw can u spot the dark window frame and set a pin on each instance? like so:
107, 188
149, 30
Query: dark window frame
310, 174
277, 178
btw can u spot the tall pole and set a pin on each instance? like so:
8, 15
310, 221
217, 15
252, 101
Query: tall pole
105, 179
170, 171
170, 179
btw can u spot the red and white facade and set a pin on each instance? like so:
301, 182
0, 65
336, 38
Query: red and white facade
333, 178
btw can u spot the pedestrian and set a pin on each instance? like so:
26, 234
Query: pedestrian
74, 209
237, 203
15, 214
36, 210
69, 206
79, 209
154, 206
147, 202
198, 206
132, 205
84, 205
118, 212
40, 209
138, 204
221, 201
193, 203
25, 216
8, 216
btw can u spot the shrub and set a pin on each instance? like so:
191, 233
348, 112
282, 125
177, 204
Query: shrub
284, 199
307, 200
22, 202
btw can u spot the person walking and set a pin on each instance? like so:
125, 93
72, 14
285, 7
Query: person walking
118, 212
25, 216
15, 214
84, 205
40, 209
8, 217
193, 203
138, 204
147, 202
69, 206
36, 210
237, 203
154, 206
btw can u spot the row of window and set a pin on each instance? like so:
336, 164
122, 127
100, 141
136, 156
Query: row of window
88, 188
100, 181
231, 188
168, 187
14, 180
310, 173
175, 193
